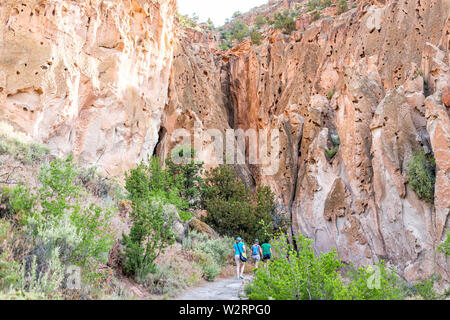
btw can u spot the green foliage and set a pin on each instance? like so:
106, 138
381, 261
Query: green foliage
151, 190
232, 208
236, 14
373, 283
444, 247
225, 46
302, 275
315, 16
256, 37
426, 290
260, 21
342, 6
62, 222
331, 153
41, 282
212, 253
297, 275
421, 171
211, 271
284, 21
239, 30
188, 175
331, 94
19, 200
318, 5
188, 22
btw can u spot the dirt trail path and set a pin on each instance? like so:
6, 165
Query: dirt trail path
224, 289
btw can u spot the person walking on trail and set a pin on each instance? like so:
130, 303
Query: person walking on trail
240, 257
266, 251
256, 253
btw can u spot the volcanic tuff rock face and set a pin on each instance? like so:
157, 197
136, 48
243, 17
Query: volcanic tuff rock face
88, 77
376, 76
112, 81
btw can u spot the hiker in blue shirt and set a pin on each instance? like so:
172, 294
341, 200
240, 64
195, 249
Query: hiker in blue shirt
240, 256
256, 253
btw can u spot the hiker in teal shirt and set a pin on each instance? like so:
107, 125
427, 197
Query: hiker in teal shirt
266, 250
256, 253
239, 249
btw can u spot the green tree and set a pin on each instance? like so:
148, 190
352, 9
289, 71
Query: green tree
239, 30
421, 171
300, 274
150, 189
150, 234
232, 208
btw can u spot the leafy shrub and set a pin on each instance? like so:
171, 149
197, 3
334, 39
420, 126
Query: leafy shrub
297, 275
27, 153
212, 254
189, 175
151, 188
373, 283
256, 37
234, 209
218, 249
239, 30
331, 94
42, 282
284, 21
426, 290
421, 171
318, 5
211, 270
331, 153
79, 232
301, 275
342, 6
315, 16
104, 187
188, 22
260, 21
444, 247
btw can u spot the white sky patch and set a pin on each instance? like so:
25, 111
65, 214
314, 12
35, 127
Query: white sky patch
217, 10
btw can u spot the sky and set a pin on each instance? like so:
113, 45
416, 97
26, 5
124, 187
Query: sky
217, 10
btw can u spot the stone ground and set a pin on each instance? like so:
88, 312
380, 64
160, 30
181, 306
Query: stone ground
224, 289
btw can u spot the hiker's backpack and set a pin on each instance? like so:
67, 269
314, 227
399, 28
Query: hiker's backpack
255, 250
242, 255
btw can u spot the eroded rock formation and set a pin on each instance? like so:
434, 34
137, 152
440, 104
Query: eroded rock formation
112, 82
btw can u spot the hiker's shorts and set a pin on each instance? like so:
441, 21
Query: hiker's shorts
237, 259
256, 258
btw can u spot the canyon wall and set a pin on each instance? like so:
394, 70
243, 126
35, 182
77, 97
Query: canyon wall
113, 81
87, 77
377, 77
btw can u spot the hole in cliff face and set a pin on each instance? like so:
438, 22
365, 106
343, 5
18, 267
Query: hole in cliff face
159, 148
